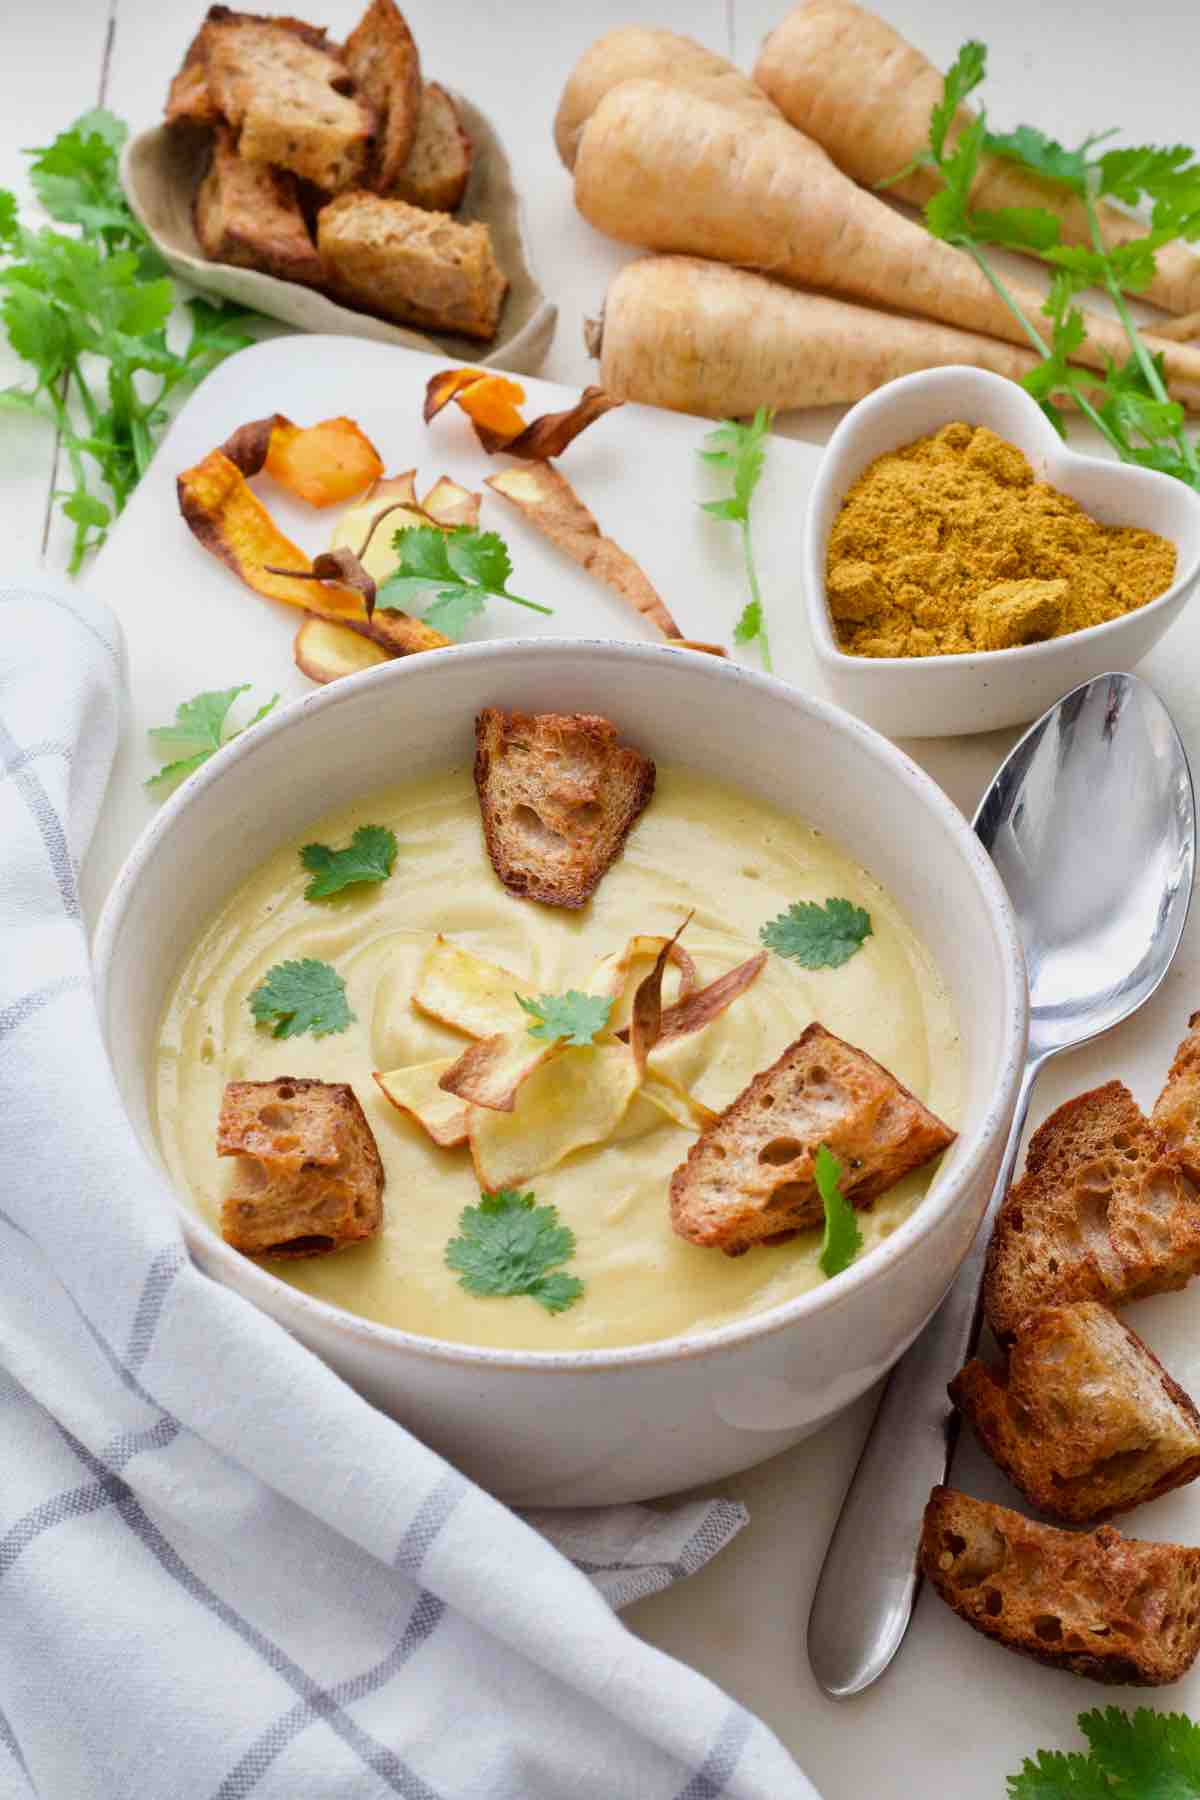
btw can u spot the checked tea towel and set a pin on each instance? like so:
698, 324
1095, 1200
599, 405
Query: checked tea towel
222, 1575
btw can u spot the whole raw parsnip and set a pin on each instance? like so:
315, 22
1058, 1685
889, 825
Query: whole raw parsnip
673, 170
852, 83
634, 50
701, 337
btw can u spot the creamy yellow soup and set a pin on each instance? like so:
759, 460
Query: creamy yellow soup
701, 845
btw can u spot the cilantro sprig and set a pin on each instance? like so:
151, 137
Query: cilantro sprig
842, 1240
570, 1018
369, 856
99, 296
1127, 403
1131, 1756
295, 997
740, 451
199, 732
818, 937
463, 569
510, 1247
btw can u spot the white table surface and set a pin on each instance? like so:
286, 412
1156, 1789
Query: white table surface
954, 1715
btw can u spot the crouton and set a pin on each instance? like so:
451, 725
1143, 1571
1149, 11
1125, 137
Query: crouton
1112, 1608
1177, 1110
439, 163
750, 1174
382, 57
309, 1178
558, 796
421, 268
1083, 1418
287, 96
248, 214
1102, 1212
190, 98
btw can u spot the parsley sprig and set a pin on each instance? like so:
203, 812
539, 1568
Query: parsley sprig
509, 1246
1128, 403
819, 937
369, 856
842, 1240
199, 732
295, 997
570, 1018
1131, 1756
741, 450
103, 295
462, 569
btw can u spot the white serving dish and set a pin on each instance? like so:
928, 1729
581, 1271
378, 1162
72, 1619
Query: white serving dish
947, 696
589, 1427
160, 170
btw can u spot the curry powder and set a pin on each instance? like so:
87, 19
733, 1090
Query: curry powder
950, 545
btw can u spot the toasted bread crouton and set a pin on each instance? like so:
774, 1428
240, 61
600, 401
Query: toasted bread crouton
310, 1177
422, 268
190, 99
286, 94
248, 214
558, 796
1112, 1608
750, 1174
439, 163
1102, 1212
1083, 1418
382, 57
1177, 1110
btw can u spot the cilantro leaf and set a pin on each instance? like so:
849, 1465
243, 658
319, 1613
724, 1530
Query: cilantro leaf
740, 450
1143, 1755
1017, 228
509, 1246
462, 568
963, 76
1045, 156
1146, 172
570, 1018
199, 730
843, 1240
368, 856
8, 216
819, 937
295, 997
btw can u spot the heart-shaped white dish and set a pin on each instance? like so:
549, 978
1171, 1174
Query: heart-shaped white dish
948, 696
160, 170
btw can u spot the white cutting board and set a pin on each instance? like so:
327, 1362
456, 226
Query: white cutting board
955, 1714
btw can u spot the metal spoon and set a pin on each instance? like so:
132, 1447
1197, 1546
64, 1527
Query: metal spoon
1091, 823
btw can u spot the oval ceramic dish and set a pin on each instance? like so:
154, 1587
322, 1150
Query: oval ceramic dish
945, 696
588, 1427
160, 170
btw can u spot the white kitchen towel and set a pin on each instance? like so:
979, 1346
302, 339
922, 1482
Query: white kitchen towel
222, 1574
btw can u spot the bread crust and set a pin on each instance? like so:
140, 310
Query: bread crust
421, 268
381, 54
1111, 1608
310, 1176
750, 1174
190, 98
558, 796
438, 168
1102, 1212
249, 215
1177, 1110
1082, 1417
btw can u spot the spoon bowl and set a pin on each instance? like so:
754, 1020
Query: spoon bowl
1091, 823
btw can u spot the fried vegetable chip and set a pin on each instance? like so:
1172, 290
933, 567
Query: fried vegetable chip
579, 1097
449, 504
645, 1021
491, 402
693, 1012
490, 1072
325, 652
322, 464
475, 996
415, 1091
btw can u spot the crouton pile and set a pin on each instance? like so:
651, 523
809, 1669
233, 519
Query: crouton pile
338, 167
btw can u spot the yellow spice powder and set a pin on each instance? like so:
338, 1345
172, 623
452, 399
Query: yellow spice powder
951, 545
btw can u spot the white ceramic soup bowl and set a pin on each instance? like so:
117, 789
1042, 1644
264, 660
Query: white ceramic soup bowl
945, 696
587, 1427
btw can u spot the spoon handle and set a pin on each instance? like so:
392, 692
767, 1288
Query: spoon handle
869, 1580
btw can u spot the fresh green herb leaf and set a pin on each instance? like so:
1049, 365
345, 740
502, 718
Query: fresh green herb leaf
842, 1240
510, 1246
199, 730
368, 856
1017, 228
1147, 172
1143, 1755
8, 216
1042, 155
570, 1018
963, 76
819, 937
295, 997
462, 569
740, 450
